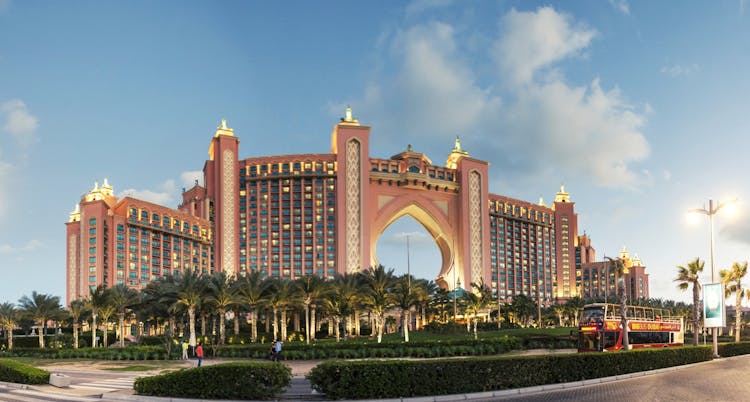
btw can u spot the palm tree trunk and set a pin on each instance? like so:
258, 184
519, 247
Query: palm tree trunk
191, 323
336, 329
121, 319
41, 335
275, 324
204, 324
10, 337
307, 323
93, 330
379, 325
283, 323
254, 324
236, 322
75, 335
476, 323
405, 325
313, 327
738, 314
222, 326
623, 315
296, 320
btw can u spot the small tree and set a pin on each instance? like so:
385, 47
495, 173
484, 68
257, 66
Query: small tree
41, 308
687, 277
9, 316
732, 281
75, 311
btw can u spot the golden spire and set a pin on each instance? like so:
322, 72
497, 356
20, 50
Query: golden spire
348, 119
223, 129
75, 215
541, 201
561, 195
456, 154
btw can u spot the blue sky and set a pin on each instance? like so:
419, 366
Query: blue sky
639, 107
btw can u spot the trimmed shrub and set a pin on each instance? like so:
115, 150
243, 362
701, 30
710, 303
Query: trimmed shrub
13, 371
258, 380
126, 353
398, 378
734, 349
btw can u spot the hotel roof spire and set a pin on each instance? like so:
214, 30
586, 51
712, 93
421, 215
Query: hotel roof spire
223, 129
561, 195
456, 154
348, 119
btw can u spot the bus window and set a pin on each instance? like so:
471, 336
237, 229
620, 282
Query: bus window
610, 339
587, 341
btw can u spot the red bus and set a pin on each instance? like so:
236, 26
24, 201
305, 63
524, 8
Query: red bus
600, 328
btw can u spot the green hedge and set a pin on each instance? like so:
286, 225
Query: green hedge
398, 378
734, 349
126, 353
13, 371
257, 380
362, 350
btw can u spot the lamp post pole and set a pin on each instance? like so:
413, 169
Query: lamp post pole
710, 212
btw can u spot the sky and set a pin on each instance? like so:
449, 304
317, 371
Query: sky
639, 108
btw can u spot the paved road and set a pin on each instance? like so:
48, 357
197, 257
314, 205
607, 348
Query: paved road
718, 380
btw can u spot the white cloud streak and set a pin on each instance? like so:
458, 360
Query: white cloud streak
679, 70
527, 119
621, 5
31, 245
19, 122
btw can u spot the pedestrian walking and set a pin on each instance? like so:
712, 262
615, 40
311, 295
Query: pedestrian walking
185, 349
199, 354
277, 351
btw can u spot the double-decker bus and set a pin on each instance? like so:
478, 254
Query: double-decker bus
600, 328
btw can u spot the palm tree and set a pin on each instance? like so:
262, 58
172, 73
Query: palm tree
311, 289
123, 298
477, 301
618, 267
97, 299
282, 296
76, 309
8, 319
523, 307
732, 280
252, 292
378, 295
405, 300
222, 296
690, 276
187, 291
106, 312
41, 308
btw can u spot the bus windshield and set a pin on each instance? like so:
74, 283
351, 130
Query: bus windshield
591, 314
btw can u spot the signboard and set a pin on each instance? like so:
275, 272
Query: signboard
713, 306
654, 326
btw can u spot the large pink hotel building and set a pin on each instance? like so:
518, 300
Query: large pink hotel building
322, 214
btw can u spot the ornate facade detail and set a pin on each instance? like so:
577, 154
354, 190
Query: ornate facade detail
353, 207
73, 273
228, 198
475, 224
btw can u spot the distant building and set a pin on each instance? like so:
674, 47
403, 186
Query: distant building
599, 281
321, 214
129, 241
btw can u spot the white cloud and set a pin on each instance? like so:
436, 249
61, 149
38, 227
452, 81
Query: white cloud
19, 122
528, 122
679, 70
164, 196
31, 245
621, 5
531, 41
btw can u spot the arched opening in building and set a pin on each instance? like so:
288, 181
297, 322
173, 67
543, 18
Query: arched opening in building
422, 256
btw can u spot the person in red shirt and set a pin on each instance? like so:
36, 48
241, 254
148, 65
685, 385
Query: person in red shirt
199, 354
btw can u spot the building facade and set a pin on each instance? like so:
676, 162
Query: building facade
322, 214
599, 281
128, 241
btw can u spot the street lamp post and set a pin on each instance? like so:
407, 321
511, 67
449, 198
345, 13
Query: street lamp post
538, 305
710, 212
